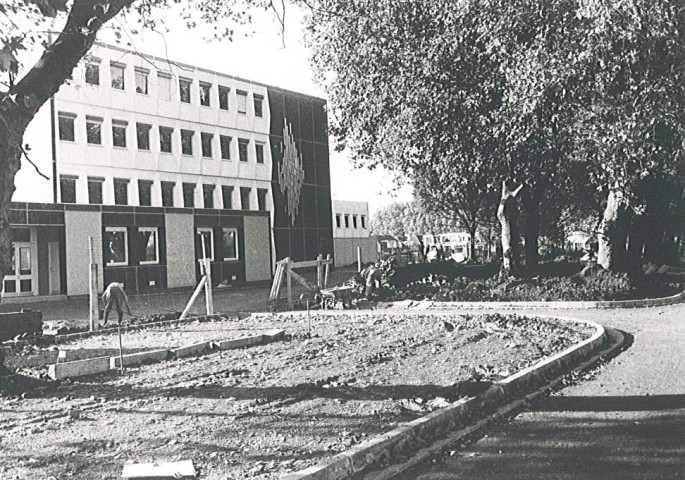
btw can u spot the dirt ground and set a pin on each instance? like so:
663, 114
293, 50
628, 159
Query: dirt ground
268, 410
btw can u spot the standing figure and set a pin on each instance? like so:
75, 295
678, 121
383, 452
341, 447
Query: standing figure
115, 298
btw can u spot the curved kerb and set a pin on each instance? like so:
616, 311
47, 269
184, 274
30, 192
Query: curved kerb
646, 302
462, 412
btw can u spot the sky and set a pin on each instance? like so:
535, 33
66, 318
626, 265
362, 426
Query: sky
267, 57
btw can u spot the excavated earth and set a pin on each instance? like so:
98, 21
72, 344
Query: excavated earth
260, 412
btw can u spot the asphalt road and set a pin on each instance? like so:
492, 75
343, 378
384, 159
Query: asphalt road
628, 422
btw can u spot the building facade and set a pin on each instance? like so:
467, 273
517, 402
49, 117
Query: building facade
161, 164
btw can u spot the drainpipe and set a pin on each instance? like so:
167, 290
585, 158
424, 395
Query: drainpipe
54, 149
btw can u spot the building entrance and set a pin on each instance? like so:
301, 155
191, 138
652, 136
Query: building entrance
20, 281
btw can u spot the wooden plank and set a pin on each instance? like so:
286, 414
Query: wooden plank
302, 281
170, 470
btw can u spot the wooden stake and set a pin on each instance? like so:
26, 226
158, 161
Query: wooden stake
94, 320
359, 259
121, 350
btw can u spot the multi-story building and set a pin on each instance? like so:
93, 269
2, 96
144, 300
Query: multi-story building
351, 232
161, 163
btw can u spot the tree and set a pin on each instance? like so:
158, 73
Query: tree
407, 220
27, 23
633, 124
461, 96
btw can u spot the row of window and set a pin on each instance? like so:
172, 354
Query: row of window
339, 217
145, 243
67, 132
121, 189
165, 87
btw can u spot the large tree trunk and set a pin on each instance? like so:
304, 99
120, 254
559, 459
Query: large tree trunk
531, 230
22, 101
472, 243
612, 233
507, 215
10, 160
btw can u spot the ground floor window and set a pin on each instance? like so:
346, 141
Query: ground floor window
116, 246
148, 245
229, 243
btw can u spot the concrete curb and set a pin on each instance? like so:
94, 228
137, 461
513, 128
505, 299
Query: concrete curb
67, 337
394, 443
646, 302
92, 366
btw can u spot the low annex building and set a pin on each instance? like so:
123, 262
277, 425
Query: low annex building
351, 232
158, 162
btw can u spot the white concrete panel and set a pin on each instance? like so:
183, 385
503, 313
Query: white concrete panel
78, 227
180, 250
346, 250
257, 256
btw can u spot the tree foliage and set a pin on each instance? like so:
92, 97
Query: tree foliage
556, 95
407, 220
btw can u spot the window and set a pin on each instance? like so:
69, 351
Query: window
93, 71
242, 149
205, 94
67, 188
117, 70
245, 198
347, 221
227, 196
363, 218
354, 221
223, 97
121, 191
259, 152
119, 133
141, 80
229, 243
205, 245
257, 101
95, 190
147, 245
225, 145
189, 195
145, 193
242, 101
116, 246
94, 130
66, 126
168, 194
208, 195
187, 142
261, 198
206, 140
164, 85
184, 89
143, 134
165, 139
337, 220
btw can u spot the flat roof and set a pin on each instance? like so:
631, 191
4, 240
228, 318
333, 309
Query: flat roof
205, 70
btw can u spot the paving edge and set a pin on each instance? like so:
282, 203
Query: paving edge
643, 303
96, 365
395, 443
67, 337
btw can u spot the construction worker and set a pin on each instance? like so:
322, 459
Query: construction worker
372, 279
115, 298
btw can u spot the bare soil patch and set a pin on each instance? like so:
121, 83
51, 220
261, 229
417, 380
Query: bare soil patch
264, 411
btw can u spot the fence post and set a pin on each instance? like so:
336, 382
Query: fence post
209, 299
319, 271
327, 270
359, 259
94, 313
289, 282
